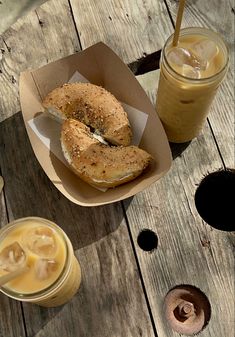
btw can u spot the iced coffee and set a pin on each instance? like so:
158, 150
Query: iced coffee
191, 73
50, 274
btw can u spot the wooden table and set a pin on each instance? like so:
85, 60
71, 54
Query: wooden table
123, 286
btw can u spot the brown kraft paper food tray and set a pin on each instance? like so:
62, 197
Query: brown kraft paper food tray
101, 66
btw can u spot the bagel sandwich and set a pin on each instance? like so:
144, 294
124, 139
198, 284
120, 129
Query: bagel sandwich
99, 164
93, 106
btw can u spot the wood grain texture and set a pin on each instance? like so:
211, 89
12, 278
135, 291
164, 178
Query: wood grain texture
189, 250
131, 28
111, 298
111, 301
218, 16
10, 318
42, 36
108, 302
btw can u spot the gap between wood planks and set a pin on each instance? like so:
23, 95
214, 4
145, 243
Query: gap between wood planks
141, 66
139, 271
75, 26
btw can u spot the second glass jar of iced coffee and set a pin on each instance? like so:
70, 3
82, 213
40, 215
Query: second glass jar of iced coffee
51, 273
190, 75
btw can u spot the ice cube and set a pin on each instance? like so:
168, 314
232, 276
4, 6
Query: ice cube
190, 72
205, 50
12, 257
41, 241
44, 268
180, 56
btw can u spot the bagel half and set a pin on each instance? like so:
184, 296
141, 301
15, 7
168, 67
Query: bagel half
98, 164
93, 106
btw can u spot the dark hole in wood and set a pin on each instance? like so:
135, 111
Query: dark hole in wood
214, 199
197, 315
147, 240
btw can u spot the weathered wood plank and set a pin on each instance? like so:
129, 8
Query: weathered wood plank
40, 37
111, 301
111, 298
189, 251
218, 16
167, 207
108, 303
10, 318
131, 28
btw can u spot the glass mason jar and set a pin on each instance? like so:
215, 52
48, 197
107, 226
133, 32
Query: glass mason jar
183, 103
64, 287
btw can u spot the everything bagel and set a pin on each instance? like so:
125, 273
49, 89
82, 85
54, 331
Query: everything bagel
98, 164
93, 106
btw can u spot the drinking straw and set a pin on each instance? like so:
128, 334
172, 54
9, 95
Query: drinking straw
12, 275
178, 22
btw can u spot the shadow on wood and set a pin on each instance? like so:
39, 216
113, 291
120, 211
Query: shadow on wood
178, 148
146, 64
29, 191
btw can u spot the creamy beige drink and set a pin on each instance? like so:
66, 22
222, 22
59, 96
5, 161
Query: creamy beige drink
190, 75
51, 273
